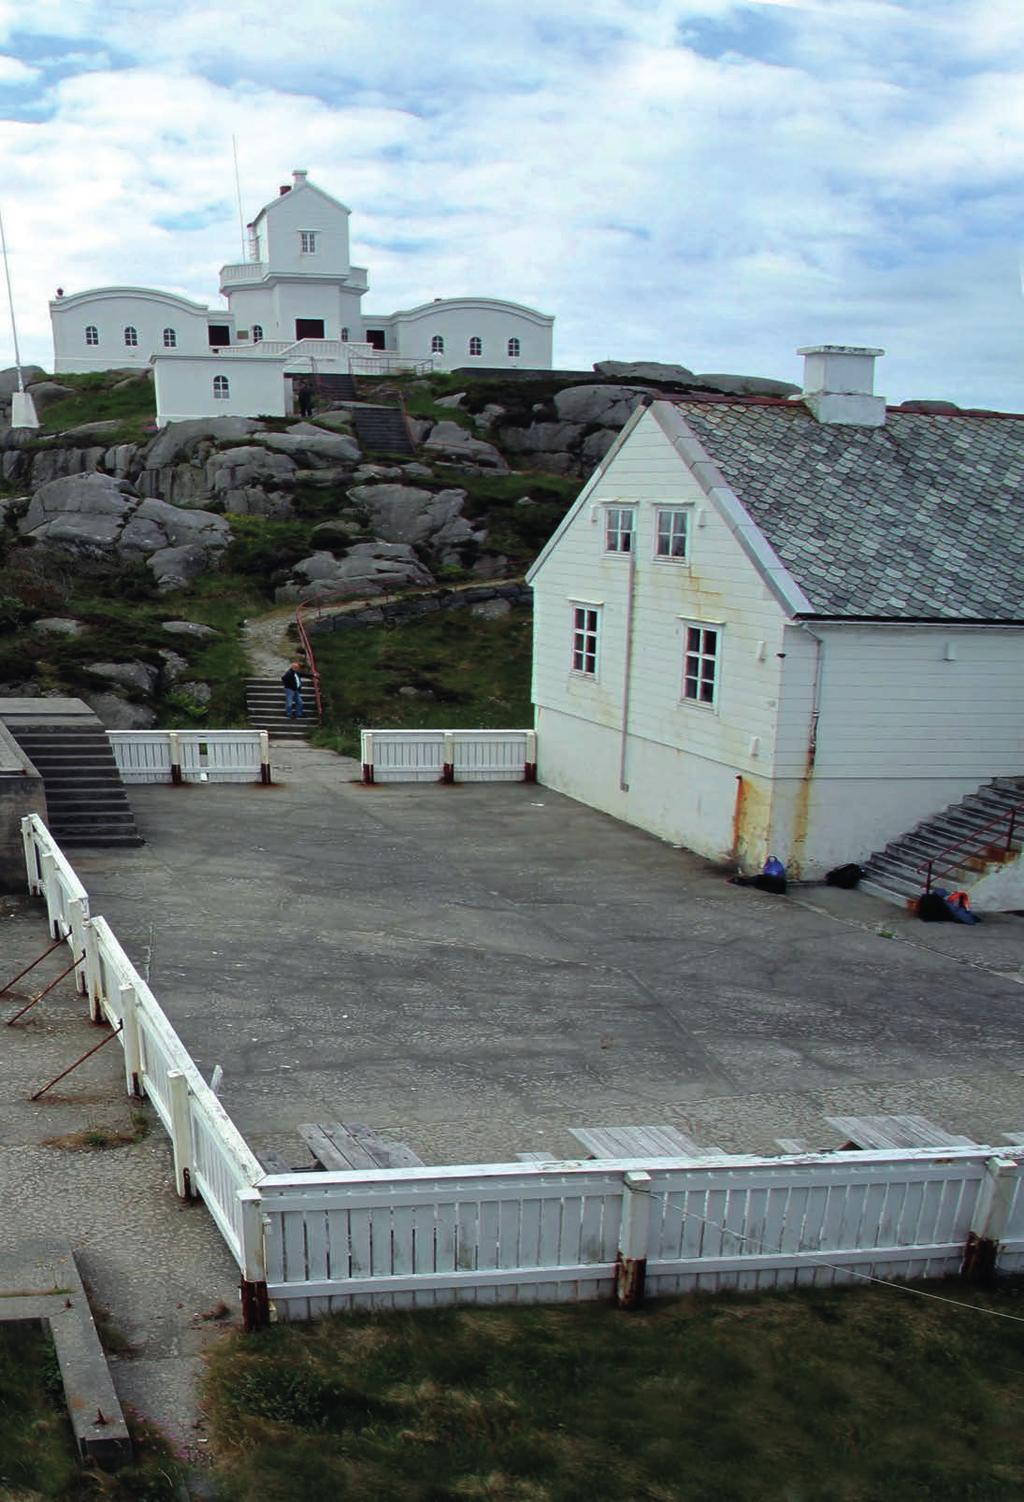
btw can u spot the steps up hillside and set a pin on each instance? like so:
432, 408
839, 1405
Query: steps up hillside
86, 801
382, 430
264, 703
992, 874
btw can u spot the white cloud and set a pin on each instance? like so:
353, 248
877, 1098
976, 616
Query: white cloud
822, 169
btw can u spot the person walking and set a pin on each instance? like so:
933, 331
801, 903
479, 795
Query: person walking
292, 681
305, 400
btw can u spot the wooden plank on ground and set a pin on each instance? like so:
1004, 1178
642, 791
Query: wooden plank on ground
536, 1158
384, 1152
793, 1144
895, 1131
330, 1148
641, 1142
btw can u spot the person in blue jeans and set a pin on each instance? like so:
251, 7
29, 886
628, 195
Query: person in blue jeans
292, 681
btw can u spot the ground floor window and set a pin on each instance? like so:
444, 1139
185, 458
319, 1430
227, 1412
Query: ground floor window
701, 663
92, 334
131, 336
586, 630
221, 389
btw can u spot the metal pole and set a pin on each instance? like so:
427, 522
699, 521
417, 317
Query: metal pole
55, 945
10, 301
58, 1077
45, 991
238, 195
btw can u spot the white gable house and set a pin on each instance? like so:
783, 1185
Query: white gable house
790, 627
293, 309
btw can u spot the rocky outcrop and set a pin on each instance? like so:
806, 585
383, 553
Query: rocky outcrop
311, 448
452, 444
98, 515
367, 569
644, 370
406, 513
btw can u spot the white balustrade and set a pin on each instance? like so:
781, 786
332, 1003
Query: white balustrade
448, 755
191, 755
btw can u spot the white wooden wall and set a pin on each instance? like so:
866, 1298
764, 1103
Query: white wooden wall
146, 756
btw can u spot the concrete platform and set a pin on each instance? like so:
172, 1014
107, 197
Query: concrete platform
475, 969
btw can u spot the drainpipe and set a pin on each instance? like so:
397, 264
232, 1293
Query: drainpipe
627, 667
819, 668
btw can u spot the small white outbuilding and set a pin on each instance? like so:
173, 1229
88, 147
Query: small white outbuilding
787, 626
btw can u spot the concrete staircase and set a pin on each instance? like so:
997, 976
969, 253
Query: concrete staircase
896, 874
382, 430
328, 388
86, 801
264, 703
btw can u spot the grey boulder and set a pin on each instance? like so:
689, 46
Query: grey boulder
741, 385
139, 677
644, 370
177, 440
116, 713
448, 440
79, 511
9, 383
409, 514
312, 450
58, 625
189, 628
173, 568
608, 406
368, 569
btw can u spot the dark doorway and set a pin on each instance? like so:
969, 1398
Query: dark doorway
220, 333
376, 338
309, 328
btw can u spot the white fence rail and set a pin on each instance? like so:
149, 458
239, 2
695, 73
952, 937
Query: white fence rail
407, 1238
533, 1233
449, 755
191, 755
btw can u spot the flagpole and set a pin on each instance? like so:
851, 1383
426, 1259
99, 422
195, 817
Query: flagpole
23, 410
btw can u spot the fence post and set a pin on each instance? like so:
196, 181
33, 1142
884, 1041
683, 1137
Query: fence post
128, 1003
530, 760
448, 757
174, 752
49, 866
78, 911
181, 1133
31, 860
366, 754
631, 1263
93, 973
988, 1223
255, 1299
265, 774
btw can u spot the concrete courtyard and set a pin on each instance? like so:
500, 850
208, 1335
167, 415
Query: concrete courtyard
476, 969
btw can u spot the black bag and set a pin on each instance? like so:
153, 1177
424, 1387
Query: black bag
846, 877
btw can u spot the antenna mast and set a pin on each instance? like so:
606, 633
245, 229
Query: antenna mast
23, 408
238, 196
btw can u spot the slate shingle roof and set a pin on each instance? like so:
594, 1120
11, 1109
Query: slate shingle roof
921, 518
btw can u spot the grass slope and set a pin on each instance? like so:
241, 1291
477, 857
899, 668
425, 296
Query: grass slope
467, 672
847, 1395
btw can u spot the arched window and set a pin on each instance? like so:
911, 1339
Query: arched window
221, 389
257, 333
513, 348
92, 334
131, 336
344, 336
476, 346
437, 345
170, 339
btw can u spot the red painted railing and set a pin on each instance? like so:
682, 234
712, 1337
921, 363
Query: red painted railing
973, 845
307, 647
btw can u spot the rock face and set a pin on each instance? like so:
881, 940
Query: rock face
451, 443
367, 569
405, 513
115, 713
97, 514
644, 370
311, 449
605, 406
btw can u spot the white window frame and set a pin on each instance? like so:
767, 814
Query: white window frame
585, 639
513, 348
476, 346
92, 335
344, 336
307, 242
257, 333
170, 339
696, 656
437, 344
686, 513
619, 533
131, 336
221, 388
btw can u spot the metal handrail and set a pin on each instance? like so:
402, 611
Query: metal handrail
307, 647
972, 840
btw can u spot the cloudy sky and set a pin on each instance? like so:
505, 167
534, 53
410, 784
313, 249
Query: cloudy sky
712, 182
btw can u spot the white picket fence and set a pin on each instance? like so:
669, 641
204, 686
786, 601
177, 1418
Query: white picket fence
532, 1232
449, 755
413, 1238
191, 755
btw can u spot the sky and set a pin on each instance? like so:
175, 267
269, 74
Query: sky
706, 182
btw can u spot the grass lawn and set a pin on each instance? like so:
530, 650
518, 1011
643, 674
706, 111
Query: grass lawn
467, 672
859, 1395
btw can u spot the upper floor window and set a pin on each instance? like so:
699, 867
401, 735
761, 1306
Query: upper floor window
618, 529
701, 663
170, 339
476, 346
670, 538
307, 242
513, 348
344, 336
586, 630
257, 333
437, 345
92, 334
221, 389
131, 336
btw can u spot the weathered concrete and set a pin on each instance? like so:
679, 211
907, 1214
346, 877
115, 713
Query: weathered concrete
21, 793
476, 969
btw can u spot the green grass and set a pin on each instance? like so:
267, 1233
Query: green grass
845, 1395
97, 400
470, 672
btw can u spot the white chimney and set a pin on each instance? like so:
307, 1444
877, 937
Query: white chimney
839, 384
300, 178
